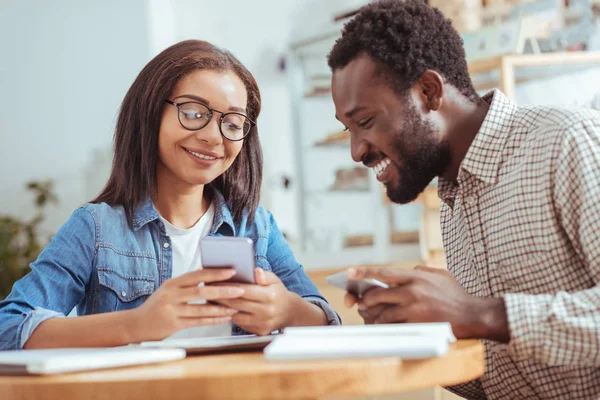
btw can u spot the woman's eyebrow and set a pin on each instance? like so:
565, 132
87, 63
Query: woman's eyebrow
204, 101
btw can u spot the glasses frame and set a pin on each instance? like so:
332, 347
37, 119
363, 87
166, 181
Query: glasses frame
211, 113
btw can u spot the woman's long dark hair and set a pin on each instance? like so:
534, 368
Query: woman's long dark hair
133, 176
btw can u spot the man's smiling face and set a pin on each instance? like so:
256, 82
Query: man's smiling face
389, 133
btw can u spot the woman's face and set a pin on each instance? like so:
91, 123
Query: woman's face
199, 157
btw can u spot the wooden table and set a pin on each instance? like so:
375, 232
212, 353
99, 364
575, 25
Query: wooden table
250, 376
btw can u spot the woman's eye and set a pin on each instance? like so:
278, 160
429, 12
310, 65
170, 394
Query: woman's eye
230, 125
192, 114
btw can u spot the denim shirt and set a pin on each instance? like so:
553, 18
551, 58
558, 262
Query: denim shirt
99, 263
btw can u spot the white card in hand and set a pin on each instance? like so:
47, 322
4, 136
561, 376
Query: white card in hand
356, 287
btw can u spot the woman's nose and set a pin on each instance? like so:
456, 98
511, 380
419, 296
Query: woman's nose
211, 133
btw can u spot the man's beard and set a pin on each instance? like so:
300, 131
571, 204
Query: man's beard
426, 159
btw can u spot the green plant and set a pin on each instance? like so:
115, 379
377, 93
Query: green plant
20, 240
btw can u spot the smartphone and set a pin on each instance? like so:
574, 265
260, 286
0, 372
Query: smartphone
230, 252
356, 287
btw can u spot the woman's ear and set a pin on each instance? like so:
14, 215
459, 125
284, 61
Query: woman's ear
432, 85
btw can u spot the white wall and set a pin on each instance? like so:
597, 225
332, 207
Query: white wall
65, 65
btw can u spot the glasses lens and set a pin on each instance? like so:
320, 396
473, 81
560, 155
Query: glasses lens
235, 126
194, 116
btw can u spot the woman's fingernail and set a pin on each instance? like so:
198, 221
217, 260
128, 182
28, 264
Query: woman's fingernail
231, 311
362, 307
236, 291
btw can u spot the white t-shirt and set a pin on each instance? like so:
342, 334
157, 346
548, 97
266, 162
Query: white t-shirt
185, 247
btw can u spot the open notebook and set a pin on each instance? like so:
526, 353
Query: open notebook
407, 341
56, 361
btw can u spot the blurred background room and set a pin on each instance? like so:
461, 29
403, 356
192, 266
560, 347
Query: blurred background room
66, 65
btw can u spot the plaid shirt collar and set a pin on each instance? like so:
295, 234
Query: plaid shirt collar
484, 157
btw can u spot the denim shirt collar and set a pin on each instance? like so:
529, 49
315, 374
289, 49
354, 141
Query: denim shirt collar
146, 212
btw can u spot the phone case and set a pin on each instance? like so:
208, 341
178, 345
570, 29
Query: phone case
232, 252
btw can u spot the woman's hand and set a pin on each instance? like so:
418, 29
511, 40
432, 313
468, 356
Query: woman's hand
268, 306
167, 310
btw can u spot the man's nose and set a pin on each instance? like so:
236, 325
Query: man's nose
358, 148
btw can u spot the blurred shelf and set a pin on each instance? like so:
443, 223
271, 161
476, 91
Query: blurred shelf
318, 92
408, 237
349, 190
534, 60
531, 67
313, 260
327, 192
505, 67
337, 139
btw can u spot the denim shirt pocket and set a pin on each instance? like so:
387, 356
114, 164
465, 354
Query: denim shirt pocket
261, 245
119, 291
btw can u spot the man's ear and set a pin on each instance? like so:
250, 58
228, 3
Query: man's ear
432, 85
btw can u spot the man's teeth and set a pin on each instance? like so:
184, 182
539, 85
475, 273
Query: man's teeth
381, 166
202, 156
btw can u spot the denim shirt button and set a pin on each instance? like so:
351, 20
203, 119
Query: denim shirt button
166, 245
123, 293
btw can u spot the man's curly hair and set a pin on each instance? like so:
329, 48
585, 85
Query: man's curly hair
405, 38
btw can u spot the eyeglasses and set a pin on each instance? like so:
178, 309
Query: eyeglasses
194, 116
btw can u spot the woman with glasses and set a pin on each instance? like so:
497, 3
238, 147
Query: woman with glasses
187, 164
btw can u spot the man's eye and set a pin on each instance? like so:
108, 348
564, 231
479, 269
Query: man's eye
364, 123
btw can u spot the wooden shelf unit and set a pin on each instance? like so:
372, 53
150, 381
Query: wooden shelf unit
507, 64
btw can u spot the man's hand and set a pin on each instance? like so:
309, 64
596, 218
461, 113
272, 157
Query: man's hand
429, 295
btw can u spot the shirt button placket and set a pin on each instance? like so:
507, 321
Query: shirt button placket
472, 214
477, 235
164, 275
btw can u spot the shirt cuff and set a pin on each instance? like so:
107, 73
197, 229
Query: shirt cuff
33, 320
332, 317
526, 314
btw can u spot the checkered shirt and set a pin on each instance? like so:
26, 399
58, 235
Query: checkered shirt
522, 222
